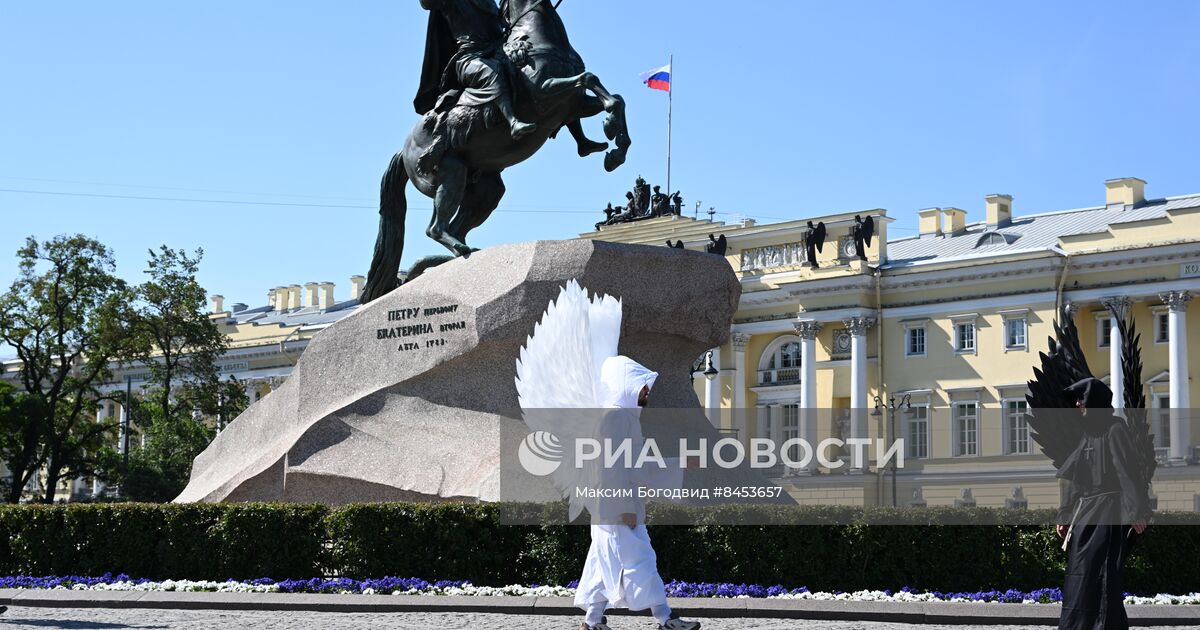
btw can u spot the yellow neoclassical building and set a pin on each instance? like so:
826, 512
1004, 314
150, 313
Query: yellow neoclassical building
951, 320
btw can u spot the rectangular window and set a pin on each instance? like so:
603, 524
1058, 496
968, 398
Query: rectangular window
791, 429
1016, 427
1014, 333
964, 337
916, 342
1161, 426
1162, 328
1103, 332
917, 434
966, 428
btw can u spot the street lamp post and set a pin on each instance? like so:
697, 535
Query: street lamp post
892, 406
712, 371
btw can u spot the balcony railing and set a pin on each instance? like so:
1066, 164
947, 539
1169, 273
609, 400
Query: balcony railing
784, 376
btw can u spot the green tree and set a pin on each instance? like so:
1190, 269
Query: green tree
180, 345
64, 317
19, 446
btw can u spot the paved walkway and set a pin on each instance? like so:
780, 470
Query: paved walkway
157, 619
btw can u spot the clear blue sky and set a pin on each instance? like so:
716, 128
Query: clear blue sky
784, 109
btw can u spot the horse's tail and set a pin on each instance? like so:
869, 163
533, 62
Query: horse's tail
389, 245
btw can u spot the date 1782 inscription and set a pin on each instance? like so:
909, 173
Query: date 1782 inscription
416, 331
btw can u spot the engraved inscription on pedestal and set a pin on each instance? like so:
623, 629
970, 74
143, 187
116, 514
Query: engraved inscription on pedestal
419, 327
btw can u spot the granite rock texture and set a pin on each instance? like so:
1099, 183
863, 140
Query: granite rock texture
408, 398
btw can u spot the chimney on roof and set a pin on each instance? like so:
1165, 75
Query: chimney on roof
356, 286
217, 302
954, 221
1129, 191
931, 221
310, 294
293, 297
280, 300
999, 211
325, 300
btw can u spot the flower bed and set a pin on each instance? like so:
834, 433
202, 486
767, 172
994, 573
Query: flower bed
417, 586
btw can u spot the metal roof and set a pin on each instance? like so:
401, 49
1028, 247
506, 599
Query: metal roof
1038, 232
307, 316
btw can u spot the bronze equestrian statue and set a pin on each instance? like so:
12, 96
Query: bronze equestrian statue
497, 83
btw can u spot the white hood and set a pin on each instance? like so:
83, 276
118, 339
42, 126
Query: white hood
621, 380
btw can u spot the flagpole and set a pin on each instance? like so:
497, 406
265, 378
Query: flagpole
670, 106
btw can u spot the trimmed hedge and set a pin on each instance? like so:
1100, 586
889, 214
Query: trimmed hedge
943, 549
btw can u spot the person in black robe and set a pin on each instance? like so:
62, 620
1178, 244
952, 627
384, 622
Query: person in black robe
1105, 507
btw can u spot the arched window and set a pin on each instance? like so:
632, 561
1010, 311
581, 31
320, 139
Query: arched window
995, 238
780, 363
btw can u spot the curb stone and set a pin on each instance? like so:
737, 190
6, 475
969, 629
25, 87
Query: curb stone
945, 613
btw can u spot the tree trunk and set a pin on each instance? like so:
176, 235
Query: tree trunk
14, 492
53, 473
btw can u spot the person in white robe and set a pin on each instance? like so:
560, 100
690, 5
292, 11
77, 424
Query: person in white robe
621, 569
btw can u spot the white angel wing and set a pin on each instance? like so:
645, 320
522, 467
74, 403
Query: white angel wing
556, 369
558, 376
604, 326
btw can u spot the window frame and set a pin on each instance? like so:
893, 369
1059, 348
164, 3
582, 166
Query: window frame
957, 430
909, 422
1103, 330
771, 360
1007, 426
1015, 315
958, 337
1009, 344
909, 329
1161, 419
1162, 326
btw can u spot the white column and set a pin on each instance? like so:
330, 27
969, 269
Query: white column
858, 326
101, 416
808, 330
251, 390
1118, 309
712, 389
738, 415
1181, 403
123, 422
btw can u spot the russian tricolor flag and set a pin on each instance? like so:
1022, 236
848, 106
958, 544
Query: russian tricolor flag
659, 78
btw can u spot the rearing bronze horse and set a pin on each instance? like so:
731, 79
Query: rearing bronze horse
553, 90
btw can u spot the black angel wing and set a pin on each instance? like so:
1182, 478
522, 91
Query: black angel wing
819, 235
1136, 416
1058, 433
722, 244
1131, 363
868, 230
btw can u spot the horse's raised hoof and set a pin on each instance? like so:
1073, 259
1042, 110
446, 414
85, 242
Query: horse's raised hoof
613, 159
587, 148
